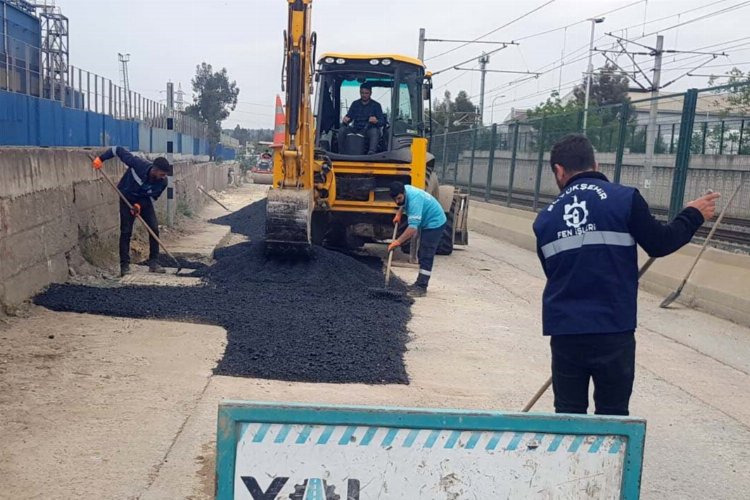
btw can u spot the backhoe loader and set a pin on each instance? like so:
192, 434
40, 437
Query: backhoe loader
326, 188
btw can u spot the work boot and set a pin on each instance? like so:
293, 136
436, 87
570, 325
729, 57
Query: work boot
416, 291
155, 267
124, 270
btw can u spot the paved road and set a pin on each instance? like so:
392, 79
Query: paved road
70, 407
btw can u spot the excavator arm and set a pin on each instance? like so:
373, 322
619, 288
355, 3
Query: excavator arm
291, 197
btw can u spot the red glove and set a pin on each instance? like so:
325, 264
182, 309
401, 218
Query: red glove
136, 210
394, 245
97, 163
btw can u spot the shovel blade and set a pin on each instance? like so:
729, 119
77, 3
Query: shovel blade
670, 298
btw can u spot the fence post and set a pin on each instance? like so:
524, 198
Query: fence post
679, 179
540, 158
514, 151
721, 139
445, 150
621, 136
671, 141
742, 133
473, 154
458, 153
491, 163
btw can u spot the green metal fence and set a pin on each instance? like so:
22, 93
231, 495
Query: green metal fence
673, 148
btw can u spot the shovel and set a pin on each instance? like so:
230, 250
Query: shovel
387, 292
673, 296
150, 231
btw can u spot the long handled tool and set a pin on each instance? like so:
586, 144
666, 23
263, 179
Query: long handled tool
673, 296
148, 228
387, 292
200, 188
548, 382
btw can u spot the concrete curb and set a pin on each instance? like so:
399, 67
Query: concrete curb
720, 284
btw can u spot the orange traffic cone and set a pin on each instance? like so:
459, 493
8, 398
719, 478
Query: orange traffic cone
279, 125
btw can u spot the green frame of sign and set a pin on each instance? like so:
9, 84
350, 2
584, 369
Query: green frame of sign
234, 413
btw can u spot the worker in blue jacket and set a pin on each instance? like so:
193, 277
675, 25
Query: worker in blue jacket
586, 242
142, 184
424, 216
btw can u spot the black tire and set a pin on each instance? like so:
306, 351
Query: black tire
445, 247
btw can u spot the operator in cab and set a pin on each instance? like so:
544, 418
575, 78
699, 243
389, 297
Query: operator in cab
365, 117
425, 216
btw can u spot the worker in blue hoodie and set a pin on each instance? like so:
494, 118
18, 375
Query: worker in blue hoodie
586, 242
142, 184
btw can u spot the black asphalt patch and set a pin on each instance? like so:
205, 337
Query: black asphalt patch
307, 321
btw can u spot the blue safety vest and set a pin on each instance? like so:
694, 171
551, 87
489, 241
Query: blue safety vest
589, 257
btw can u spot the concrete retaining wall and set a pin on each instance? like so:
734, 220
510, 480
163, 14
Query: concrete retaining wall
720, 284
55, 211
720, 173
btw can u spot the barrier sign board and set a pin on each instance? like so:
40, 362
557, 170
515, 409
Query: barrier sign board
271, 451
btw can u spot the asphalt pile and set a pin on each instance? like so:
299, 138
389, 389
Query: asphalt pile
308, 321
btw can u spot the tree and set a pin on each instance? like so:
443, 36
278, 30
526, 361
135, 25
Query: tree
241, 134
215, 97
461, 109
609, 85
737, 94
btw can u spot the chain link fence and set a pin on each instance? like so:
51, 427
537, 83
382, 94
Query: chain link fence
673, 148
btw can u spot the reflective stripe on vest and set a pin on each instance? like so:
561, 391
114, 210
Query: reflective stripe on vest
591, 238
136, 177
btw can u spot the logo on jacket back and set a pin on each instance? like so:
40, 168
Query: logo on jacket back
576, 214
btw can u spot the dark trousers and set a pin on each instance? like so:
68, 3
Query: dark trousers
126, 230
371, 133
429, 239
608, 359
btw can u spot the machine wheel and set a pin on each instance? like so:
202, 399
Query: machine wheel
318, 228
445, 247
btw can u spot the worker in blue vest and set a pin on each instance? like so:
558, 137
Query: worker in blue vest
586, 241
424, 216
142, 184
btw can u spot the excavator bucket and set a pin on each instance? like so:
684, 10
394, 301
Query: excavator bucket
288, 216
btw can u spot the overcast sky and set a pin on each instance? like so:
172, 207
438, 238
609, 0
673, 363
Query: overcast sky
168, 38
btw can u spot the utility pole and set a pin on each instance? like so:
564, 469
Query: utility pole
420, 50
124, 59
170, 153
180, 101
483, 60
648, 164
652, 86
590, 71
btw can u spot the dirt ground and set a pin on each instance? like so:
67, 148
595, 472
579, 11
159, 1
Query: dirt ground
99, 407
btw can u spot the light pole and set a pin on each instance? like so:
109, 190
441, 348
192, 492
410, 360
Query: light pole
492, 108
594, 22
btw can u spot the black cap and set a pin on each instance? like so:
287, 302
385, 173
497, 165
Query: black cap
397, 188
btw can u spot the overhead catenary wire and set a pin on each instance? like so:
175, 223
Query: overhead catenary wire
671, 66
522, 16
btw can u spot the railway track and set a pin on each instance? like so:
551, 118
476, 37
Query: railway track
734, 232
